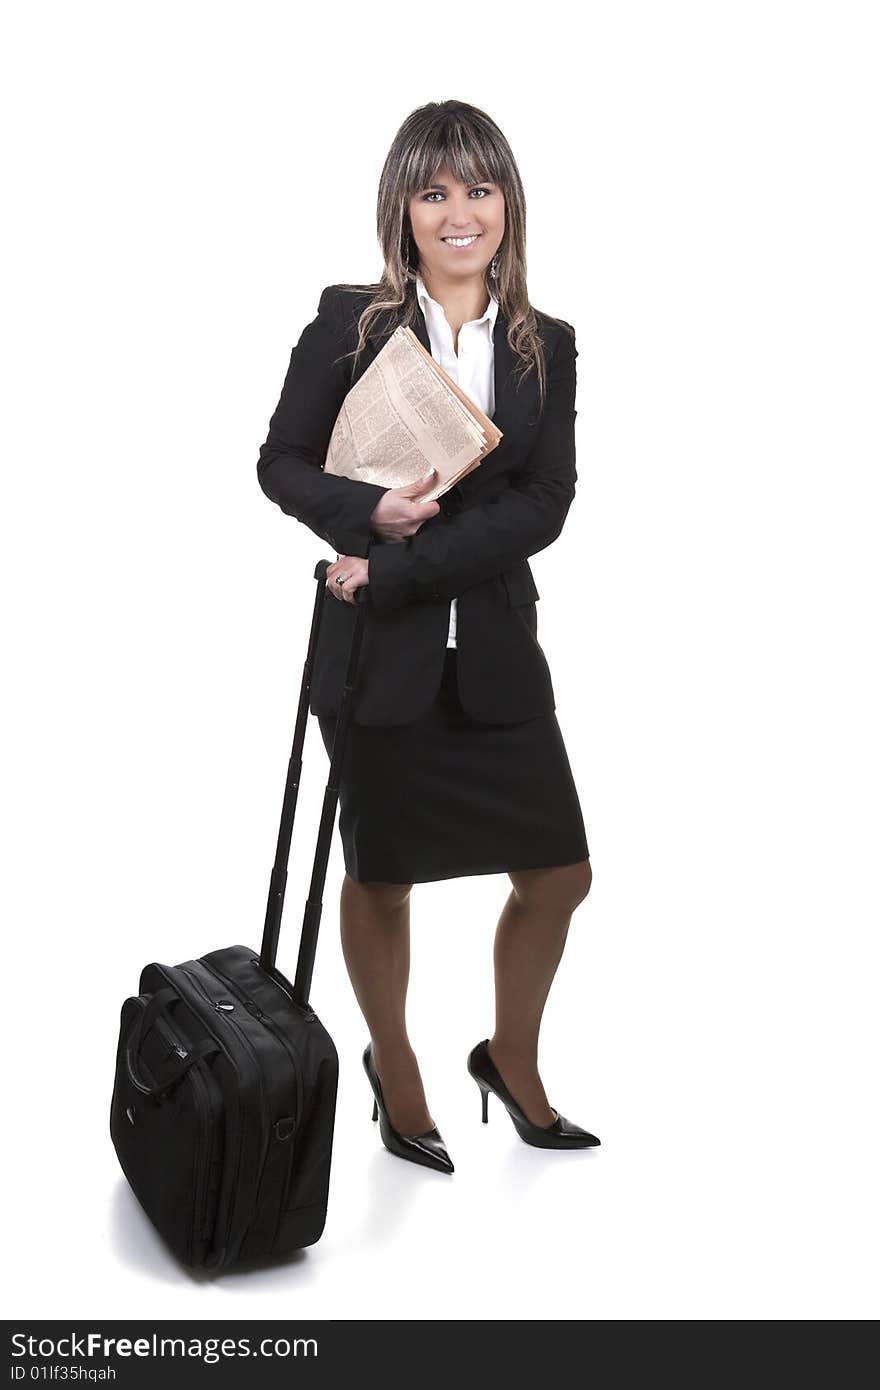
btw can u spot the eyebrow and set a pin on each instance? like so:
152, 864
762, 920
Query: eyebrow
443, 188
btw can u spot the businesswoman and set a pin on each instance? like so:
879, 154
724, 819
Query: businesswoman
455, 763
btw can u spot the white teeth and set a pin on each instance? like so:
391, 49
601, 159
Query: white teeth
460, 240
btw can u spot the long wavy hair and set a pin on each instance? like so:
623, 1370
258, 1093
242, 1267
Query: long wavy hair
471, 144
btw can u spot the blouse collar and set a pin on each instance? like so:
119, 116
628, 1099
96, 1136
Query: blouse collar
425, 301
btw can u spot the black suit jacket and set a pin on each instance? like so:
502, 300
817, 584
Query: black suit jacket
475, 549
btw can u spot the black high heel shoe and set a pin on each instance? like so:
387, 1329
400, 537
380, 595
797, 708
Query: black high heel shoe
562, 1134
428, 1148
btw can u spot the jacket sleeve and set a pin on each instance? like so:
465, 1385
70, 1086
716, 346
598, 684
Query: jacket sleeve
291, 462
464, 549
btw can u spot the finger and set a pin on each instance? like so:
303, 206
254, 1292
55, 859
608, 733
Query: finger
420, 483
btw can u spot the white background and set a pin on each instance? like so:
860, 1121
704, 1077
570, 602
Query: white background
701, 180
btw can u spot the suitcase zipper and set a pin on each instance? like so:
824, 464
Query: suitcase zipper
205, 1113
227, 1016
264, 1107
217, 1034
200, 1223
253, 1008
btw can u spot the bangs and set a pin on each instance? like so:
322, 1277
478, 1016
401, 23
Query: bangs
463, 149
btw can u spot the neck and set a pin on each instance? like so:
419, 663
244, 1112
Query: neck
461, 300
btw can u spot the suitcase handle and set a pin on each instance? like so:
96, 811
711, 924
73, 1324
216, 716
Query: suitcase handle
203, 1049
278, 880
142, 1027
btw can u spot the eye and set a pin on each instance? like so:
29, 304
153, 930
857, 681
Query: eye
436, 192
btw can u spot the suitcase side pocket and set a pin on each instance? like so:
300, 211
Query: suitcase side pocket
167, 1143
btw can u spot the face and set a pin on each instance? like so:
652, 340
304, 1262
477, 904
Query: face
473, 213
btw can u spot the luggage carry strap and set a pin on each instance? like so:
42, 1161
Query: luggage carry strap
203, 1049
157, 1004
278, 883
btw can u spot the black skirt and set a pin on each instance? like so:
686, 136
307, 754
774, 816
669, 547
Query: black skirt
446, 796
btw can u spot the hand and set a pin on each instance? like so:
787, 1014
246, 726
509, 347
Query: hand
354, 570
399, 512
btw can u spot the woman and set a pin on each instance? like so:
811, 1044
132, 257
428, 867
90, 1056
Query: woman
455, 763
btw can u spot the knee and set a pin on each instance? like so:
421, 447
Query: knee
572, 883
378, 894
563, 887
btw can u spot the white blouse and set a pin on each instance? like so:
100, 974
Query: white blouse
473, 368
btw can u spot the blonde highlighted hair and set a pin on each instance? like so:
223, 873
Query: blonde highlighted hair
469, 142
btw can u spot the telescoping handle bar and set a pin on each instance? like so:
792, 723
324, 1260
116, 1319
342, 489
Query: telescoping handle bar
278, 882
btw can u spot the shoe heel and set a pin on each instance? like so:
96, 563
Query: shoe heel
485, 1098
375, 1108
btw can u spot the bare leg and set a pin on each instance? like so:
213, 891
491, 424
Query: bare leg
529, 942
374, 921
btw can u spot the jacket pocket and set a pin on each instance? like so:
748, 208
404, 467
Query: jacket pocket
520, 585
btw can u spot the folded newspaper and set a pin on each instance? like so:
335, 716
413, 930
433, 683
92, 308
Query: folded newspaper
404, 416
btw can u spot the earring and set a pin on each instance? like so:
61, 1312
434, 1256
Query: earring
492, 264
409, 270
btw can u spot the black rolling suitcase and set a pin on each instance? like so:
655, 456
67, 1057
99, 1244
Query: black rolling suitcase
224, 1097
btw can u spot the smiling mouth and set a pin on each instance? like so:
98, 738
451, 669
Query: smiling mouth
461, 241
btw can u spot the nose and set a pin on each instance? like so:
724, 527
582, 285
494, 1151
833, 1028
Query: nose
461, 219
